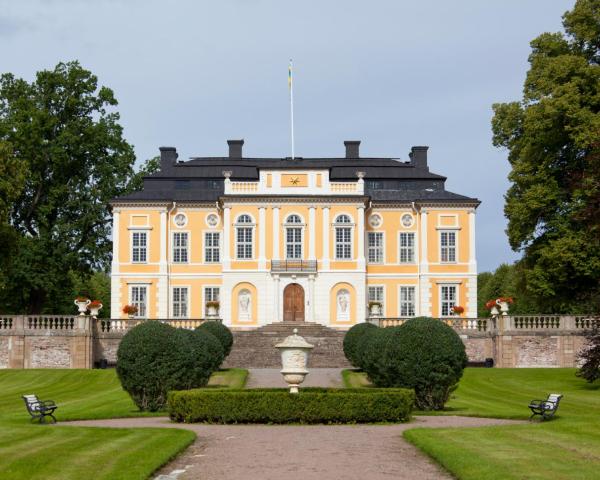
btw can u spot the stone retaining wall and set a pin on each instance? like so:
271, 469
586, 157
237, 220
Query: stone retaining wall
79, 342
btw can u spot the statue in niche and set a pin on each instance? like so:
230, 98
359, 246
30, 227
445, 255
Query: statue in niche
343, 302
244, 302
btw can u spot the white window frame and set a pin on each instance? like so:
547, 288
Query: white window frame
187, 246
339, 225
450, 248
213, 248
141, 313
450, 304
176, 312
146, 249
250, 225
382, 301
406, 303
381, 248
298, 226
205, 296
408, 249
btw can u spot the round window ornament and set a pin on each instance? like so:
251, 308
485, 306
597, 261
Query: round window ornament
407, 220
180, 220
212, 220
375, 220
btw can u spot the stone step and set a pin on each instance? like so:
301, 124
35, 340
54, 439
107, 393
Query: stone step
256, 348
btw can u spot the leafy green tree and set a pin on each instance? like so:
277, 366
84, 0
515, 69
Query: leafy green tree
64, 135
553, 140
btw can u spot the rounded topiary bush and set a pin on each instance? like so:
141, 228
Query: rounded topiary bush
221, 332
154, 358
424, 354
370, 350
209, 348
351, 340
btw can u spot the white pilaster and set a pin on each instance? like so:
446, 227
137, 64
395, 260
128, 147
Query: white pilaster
361, 237
276, 228
163, 242
424, 283
262, 262
423, 235
311, 233
311, 298
115, 281
276, 299
326, 246
226, 238
472, 244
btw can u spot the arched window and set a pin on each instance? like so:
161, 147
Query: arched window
244, 235
343, 237
293, 237
343, 219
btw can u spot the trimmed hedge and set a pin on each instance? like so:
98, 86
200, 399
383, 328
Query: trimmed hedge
351, 340
221, 332
311, 405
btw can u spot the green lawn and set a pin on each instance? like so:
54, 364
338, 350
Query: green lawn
567, 447
61, 452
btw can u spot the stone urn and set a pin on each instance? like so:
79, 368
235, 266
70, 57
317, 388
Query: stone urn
494, 311
503, 307
375, 309
212, 309
95, 307
82, 304
294, 359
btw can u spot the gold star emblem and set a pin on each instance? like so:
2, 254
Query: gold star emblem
294, 180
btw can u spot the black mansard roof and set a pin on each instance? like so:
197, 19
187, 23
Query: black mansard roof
387, 180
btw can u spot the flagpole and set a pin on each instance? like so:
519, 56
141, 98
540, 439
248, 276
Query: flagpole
291, 85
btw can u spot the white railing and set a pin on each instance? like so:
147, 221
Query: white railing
346, 187
240, 187
458, 323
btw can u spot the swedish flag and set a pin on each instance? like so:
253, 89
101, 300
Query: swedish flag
290, 75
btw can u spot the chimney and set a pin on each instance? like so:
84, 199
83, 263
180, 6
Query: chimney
235, 148
352, 148
168, 157
418, 157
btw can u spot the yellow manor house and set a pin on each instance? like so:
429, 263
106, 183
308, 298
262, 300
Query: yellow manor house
255, 241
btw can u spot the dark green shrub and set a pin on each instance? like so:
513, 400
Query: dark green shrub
222, 333
154, 358
351, 341
311, 405
370, 353
424, 354
208, 348
589, 356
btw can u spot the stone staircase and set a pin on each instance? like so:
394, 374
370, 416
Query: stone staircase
255, 348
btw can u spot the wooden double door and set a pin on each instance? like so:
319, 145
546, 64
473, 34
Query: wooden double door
293, 303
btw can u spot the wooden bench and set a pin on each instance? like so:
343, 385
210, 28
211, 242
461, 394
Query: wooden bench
545, 408
40, 409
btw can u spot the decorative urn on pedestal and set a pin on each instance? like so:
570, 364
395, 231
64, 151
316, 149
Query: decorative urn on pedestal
294, 359
95, 307
82, 304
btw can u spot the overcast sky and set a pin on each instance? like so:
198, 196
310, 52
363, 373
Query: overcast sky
393, 74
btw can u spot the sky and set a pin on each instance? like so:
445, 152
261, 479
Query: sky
393, 74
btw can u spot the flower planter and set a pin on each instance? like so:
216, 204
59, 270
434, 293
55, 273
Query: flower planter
494, 311
294, 358
212, 312
375, 311
94, 309
82, 305
503, 307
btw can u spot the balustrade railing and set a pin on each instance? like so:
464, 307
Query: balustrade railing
586, 323
6, 323
458, 323
117, 325
535, 322
50, 322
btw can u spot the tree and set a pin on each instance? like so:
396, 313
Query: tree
64, 135
553, 140
506, 281
590, 356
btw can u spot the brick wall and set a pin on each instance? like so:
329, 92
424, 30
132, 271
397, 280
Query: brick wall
48, 352
4, 352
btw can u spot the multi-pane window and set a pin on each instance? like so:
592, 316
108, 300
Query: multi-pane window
243, 237
139, 247
211, 247
293, 237
448, 299
376, 295
448, 247
407, 247
375, 247
138, 299
180, 247
180, 302
211, 294
407, 301
343, 238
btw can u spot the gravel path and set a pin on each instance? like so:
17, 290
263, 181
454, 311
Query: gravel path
323, 452
272, 378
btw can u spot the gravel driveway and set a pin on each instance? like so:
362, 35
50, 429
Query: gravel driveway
290, 452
